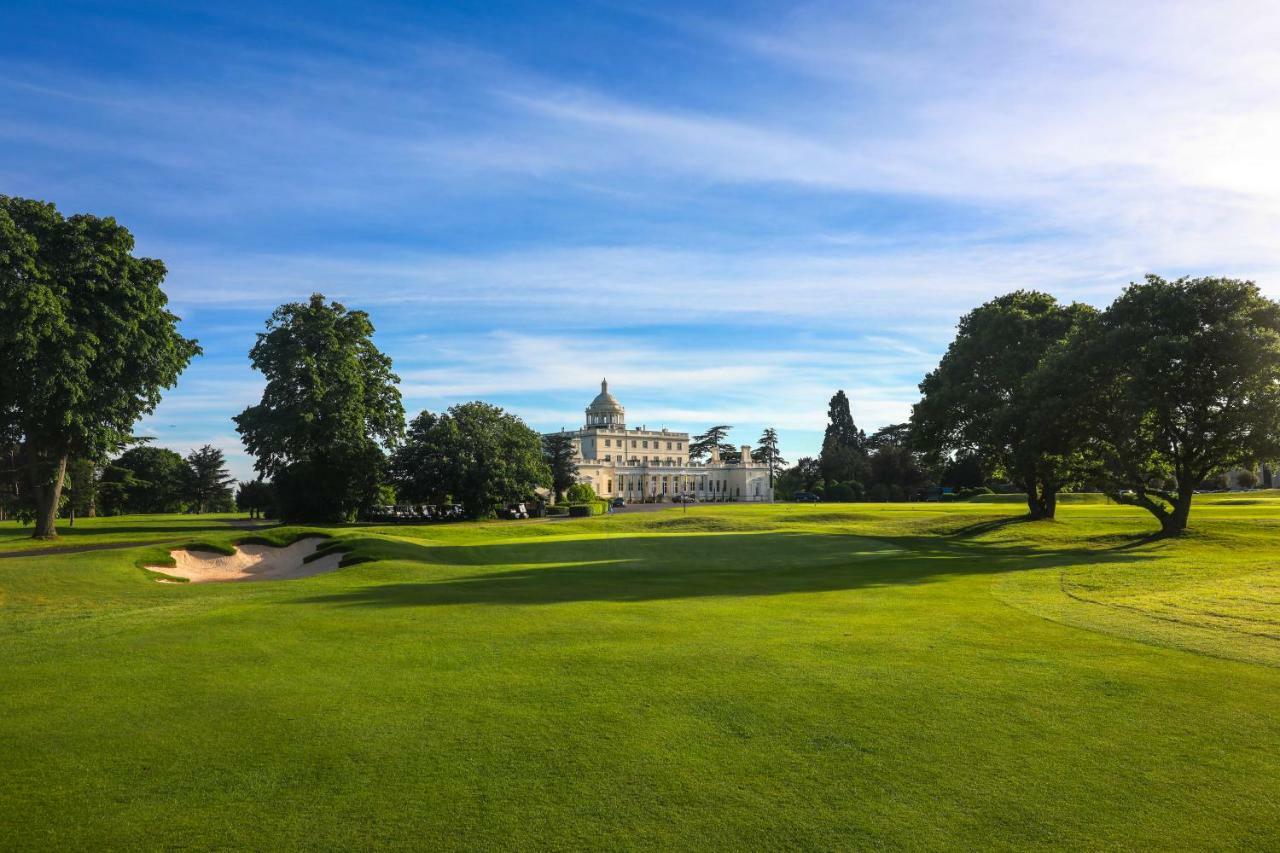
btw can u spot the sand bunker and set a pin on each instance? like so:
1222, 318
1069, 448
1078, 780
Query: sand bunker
251, 563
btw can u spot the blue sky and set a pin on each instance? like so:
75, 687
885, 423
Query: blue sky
729, 209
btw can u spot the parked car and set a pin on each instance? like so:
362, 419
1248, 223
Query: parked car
618, 503
683, 499
805, 498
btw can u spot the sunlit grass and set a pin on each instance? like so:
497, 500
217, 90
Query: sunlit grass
839, 677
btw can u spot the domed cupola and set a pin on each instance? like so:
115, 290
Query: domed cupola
605, 410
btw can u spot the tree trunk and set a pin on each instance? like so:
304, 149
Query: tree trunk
1050, 501
47, 495
1175, 521
1033, 501
1042, 500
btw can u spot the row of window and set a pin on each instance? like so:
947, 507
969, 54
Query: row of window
635, 485
656, 460
679, 445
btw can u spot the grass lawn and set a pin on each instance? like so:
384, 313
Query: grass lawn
830, 677
117, 530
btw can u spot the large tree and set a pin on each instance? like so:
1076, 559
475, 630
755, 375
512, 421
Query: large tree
844, 456
475, 454
895, 471
424, 466
329, 408
977, 401
83, 477
766, 452
255, 497
1175, 380
86, 341
712, 439
143, 479
561, 456
207, 484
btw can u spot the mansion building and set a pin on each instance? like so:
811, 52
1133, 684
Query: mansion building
653, 465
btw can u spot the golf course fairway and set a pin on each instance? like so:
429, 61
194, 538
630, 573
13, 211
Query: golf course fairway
906, 676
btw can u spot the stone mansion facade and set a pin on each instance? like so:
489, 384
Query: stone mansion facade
653, 465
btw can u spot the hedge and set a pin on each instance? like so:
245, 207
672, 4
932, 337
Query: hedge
582, 510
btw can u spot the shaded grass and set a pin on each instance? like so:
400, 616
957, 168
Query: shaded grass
762, 677
110, 530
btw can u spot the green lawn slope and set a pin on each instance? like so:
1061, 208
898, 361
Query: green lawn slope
830, 677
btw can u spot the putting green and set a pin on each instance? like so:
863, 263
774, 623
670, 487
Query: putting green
835, 677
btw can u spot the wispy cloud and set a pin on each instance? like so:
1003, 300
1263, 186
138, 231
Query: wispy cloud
729, 216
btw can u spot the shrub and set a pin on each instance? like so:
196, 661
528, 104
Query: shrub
593, 507
843, 492
1246, 479
579, 493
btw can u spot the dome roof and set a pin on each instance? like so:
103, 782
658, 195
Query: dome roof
604, 401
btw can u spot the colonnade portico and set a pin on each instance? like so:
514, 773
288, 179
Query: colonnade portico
654, 465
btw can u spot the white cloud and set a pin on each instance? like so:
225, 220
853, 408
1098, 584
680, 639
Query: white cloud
1069, 147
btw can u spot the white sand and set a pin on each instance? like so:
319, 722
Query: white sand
251, 563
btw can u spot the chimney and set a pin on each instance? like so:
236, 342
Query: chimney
715, 455
746, 454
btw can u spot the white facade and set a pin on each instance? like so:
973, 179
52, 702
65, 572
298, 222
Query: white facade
653, 465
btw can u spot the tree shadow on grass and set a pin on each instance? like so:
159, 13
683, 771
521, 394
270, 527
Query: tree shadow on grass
648, 568
23, 534
978, 528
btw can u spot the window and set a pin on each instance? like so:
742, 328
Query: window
646, 442
668, 445
606, 442
633, 442
608, 458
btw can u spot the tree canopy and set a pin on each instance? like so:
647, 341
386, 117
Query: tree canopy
475, 454
255, 497
766, 452
895, 471
712, 439
844, 457
561, 455
977, 401
1175, 380
329, 408
207, 485
86, 341
143, 479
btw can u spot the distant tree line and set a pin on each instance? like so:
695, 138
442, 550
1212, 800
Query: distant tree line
142, 479
1161, 393
854, 466
156, 479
